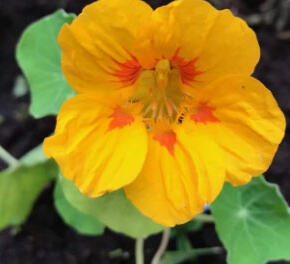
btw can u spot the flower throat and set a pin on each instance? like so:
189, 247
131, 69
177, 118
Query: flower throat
159, 91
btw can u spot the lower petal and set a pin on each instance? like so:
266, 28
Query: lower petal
207, 157
183, 171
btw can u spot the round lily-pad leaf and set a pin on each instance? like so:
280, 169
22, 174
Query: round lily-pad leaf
113, 210
82, 223
38, 55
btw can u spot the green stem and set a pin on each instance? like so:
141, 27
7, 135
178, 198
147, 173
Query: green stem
162, 247
8, 158
208, 251
204, 218
139, 255
196, 252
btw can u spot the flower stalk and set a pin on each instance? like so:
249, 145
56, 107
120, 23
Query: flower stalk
163, 245
205, 218
139, 254
8, 158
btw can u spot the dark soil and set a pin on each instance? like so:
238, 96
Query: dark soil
44, 238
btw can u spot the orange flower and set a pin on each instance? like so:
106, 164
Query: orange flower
166, 107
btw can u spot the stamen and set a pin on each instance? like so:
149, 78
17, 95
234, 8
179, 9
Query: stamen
160, 93
169, 109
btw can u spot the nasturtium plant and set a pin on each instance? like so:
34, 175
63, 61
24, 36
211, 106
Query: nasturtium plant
164, 114
253, 222
38, 55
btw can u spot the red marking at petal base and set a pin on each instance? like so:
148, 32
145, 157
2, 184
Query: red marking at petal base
204, 114
128, 71
188, 70
166, 139
120, 119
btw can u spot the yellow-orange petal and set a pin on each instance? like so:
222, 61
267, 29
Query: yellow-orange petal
181, 25
101, 147
97, 48
204, 42
207, 157
182, 172
231, 47
250, 125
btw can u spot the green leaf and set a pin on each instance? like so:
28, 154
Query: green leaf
19, 188
84, 224
38, 55
253, 222
113, 210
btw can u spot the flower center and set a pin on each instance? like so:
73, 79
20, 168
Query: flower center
159, 91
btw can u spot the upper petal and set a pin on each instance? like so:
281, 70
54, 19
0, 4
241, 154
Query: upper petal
204, 42
182, 172
182, 24
231, 47
101, 147
248, 124
98, 47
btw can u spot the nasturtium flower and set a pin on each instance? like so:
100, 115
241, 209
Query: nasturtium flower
166, 107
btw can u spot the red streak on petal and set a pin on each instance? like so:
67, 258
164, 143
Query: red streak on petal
188, 70
120, 119
204, 114
128, 71
166, 139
